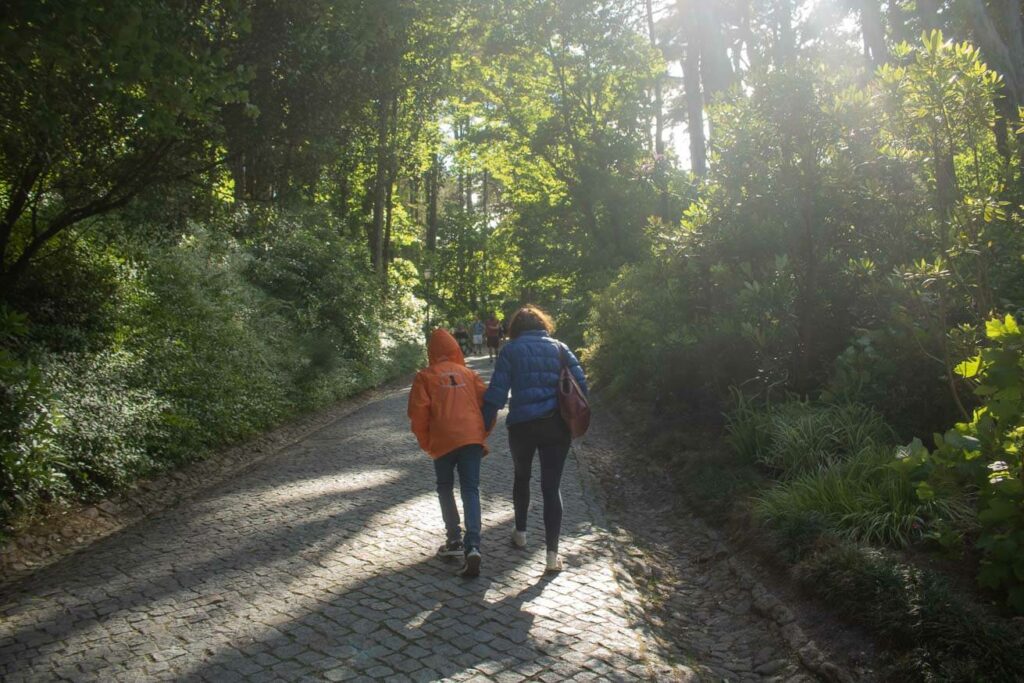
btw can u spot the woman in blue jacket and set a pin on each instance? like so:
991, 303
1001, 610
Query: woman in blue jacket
529, 366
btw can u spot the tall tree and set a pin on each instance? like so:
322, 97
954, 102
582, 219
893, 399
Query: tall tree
99, 107
659, 118
873, 31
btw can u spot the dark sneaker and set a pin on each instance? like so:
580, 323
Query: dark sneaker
472, 566
451, 549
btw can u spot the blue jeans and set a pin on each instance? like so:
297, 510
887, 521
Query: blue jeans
467, 460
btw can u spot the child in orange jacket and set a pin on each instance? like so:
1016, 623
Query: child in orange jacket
445, 410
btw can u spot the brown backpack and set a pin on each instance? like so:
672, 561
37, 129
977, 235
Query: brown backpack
572, 403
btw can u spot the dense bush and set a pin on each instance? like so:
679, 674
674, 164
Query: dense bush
214, 349
851, 482
28, 468
819, 257
983, 456
106, 416
198, 342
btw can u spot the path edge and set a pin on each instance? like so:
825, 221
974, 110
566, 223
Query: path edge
660, 666
763, 601
78, 526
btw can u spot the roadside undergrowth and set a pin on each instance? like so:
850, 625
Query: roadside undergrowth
820, 505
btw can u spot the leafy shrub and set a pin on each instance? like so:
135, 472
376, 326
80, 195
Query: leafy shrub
106, 420
985, 456
819, 255
204, 340
747, 426
73, 300
30, 469
214, 349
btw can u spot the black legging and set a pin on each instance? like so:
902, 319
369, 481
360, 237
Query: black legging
550, 437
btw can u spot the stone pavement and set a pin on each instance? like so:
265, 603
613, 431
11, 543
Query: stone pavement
318, 564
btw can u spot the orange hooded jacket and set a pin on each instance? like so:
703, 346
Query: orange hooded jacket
445, 401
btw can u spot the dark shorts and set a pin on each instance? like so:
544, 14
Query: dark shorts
492, 342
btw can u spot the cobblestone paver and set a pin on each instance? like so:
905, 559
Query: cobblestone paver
318, 564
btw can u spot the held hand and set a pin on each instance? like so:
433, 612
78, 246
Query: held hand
490, 414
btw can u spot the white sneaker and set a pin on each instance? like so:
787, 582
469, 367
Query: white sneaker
518, 538
554, 562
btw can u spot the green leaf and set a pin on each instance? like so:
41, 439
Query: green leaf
996, 329
998, 511
962, 441
969, 368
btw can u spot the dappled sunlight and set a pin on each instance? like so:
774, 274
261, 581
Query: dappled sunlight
327, 542
302, 491
313, 588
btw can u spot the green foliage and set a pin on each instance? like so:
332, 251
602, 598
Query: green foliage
205, 341
747, 426
840, 475
795, 437
937, 633
106, 416
555, 95
29, 467
215, 349
984, 456
101, 102
863, 499
822, 253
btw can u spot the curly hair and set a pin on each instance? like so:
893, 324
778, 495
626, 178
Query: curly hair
530, 317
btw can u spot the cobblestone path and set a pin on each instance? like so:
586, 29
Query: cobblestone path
318, 564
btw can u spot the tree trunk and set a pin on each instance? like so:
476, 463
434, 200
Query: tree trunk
715, 68
659, 125
785, 43
483, 199
433, 182
746, 30
694, 107
376, 228
388, 211
873, 32
999, 32
808, 294
414, 199
928, 13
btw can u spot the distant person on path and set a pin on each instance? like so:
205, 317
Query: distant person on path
529, 365
462, 337
493, 330
445, 411
478, 337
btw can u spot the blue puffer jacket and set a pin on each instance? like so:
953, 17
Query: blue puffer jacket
529, 365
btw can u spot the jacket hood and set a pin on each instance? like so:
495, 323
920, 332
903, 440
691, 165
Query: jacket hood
443, 347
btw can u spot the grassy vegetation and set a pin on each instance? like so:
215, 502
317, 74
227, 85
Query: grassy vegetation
838, 517
853, 534
933, 631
